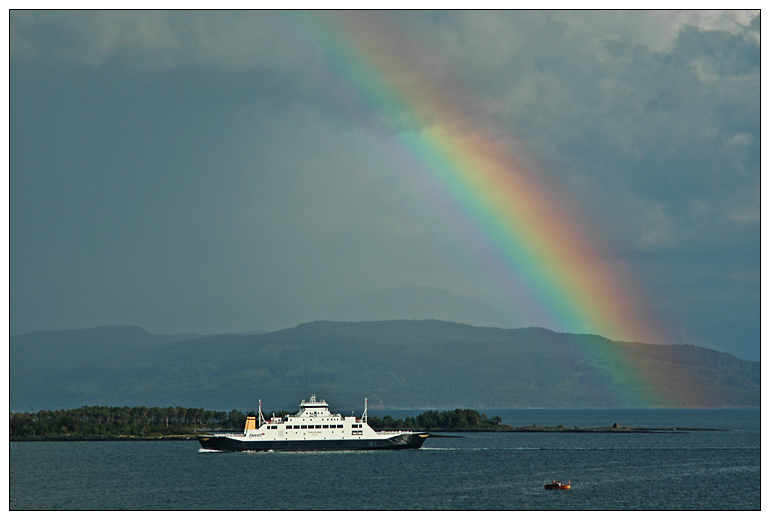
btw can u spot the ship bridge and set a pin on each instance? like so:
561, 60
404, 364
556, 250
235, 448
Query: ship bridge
313, 408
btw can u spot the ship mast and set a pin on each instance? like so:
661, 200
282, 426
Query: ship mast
261, 417
366, 405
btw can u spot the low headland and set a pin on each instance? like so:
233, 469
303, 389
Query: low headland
102, 423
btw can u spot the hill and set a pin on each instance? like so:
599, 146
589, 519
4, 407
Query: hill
396, 364
39, 360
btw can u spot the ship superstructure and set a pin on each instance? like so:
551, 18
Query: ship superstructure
313, 428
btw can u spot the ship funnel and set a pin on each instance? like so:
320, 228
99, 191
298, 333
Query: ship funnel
251, 423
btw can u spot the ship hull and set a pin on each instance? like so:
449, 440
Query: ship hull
396, 442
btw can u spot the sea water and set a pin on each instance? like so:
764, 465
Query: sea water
698, 470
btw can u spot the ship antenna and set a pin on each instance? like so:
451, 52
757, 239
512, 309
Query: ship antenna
366, 405
261, 417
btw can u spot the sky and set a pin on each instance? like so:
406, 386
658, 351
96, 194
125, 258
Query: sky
192, 171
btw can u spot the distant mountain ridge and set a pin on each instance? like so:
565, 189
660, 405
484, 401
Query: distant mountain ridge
39, 355
417, 364
414, 302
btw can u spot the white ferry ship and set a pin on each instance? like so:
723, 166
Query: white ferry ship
313, 428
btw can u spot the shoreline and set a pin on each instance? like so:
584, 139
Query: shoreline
438, 433
603, 429
86, 438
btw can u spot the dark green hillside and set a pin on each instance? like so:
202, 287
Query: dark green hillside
696, 374
396, 364
39, 358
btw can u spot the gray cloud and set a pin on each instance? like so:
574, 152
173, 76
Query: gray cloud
212, 171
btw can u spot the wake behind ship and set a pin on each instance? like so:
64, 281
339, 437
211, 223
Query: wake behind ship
313, 428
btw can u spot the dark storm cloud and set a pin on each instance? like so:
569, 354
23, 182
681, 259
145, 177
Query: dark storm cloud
198, 171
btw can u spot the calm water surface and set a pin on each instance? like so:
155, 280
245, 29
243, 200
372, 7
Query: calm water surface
697, 470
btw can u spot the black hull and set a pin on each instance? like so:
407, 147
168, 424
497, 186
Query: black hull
397, 442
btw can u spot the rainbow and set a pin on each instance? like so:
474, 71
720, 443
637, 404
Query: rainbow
523, 229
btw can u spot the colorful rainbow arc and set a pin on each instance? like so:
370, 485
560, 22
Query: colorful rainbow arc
518, 217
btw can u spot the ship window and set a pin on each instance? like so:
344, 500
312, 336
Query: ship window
326, 425
304, 426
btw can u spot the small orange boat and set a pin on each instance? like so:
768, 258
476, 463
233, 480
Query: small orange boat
555, 484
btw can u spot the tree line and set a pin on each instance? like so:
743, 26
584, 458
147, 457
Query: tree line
459, 419
112, 421
156, 422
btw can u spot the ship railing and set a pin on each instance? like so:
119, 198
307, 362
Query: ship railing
223, 433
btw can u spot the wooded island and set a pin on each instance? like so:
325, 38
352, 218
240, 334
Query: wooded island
179, 423
158, 422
